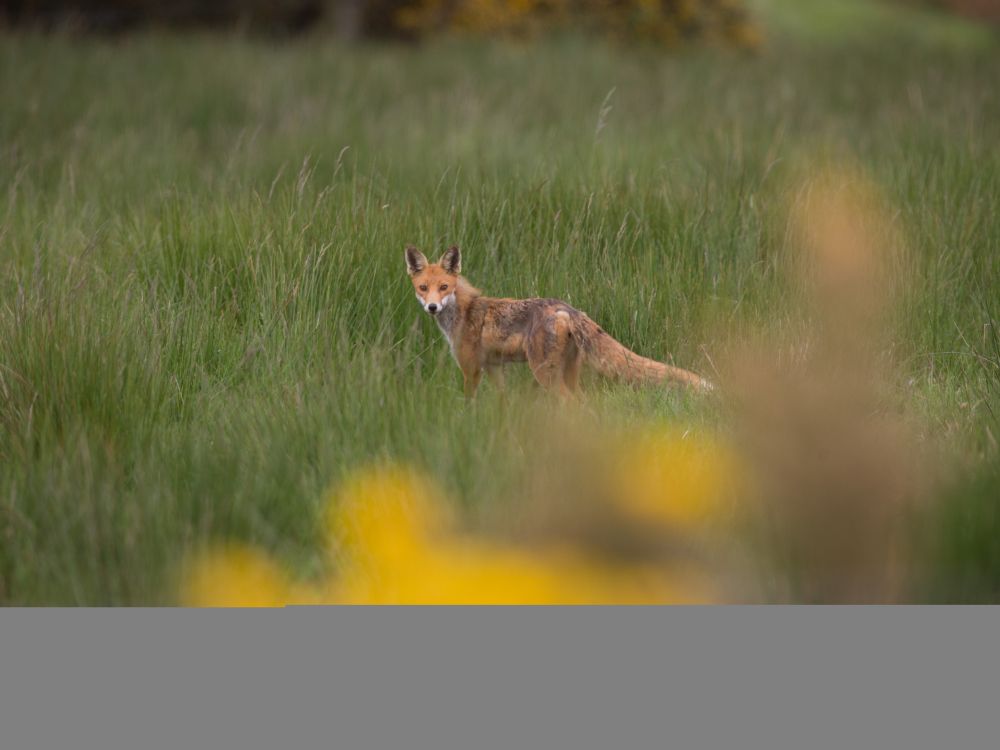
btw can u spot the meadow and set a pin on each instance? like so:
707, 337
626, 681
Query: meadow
205, 319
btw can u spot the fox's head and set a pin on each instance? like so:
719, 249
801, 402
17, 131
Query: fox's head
434, 283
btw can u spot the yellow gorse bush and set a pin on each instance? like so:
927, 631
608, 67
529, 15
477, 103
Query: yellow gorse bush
680, 480
401, 548
391, 540
663, 21
237, 576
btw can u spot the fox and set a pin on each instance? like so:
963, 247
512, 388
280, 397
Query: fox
552, 337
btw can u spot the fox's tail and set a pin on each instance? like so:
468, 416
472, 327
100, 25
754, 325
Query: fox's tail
613, 360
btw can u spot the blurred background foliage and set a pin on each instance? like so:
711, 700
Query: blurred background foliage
667, 23
664, 21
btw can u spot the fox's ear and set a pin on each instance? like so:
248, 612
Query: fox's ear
451, 261
415, 260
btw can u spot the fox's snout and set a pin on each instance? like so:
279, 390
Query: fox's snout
435, 306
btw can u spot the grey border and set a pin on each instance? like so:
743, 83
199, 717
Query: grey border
367, 677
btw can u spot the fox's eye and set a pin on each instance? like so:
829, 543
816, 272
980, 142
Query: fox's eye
423, 287
443, 287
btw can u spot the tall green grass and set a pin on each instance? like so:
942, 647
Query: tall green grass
204, 314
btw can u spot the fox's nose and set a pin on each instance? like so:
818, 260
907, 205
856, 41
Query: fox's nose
432, 308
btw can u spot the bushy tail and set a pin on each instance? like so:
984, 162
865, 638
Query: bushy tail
613, 360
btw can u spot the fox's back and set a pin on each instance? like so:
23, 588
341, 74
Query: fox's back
507, 324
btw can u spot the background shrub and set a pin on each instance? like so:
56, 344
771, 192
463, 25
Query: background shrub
664, 21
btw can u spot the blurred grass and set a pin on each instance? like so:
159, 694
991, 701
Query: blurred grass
909, 22
204, 316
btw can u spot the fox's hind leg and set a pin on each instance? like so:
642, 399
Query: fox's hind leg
572, 365
547, 349
547, 370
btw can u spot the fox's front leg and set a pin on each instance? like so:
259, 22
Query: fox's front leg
495, 374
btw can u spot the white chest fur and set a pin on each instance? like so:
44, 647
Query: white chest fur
447, 321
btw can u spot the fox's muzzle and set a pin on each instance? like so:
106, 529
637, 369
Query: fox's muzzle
435, 307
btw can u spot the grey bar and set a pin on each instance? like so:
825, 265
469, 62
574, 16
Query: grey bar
770, 677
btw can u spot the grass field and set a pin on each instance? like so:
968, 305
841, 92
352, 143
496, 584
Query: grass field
205, 318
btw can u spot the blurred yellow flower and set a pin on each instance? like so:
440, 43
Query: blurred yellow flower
473, 572
235, 577
677, 479
391, 542
383, 513
401, 548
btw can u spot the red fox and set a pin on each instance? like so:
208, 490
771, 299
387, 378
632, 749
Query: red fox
554, 339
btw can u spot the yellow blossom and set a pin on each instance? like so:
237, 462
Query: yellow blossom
235, 577
677, 479
400, 550
391, 542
